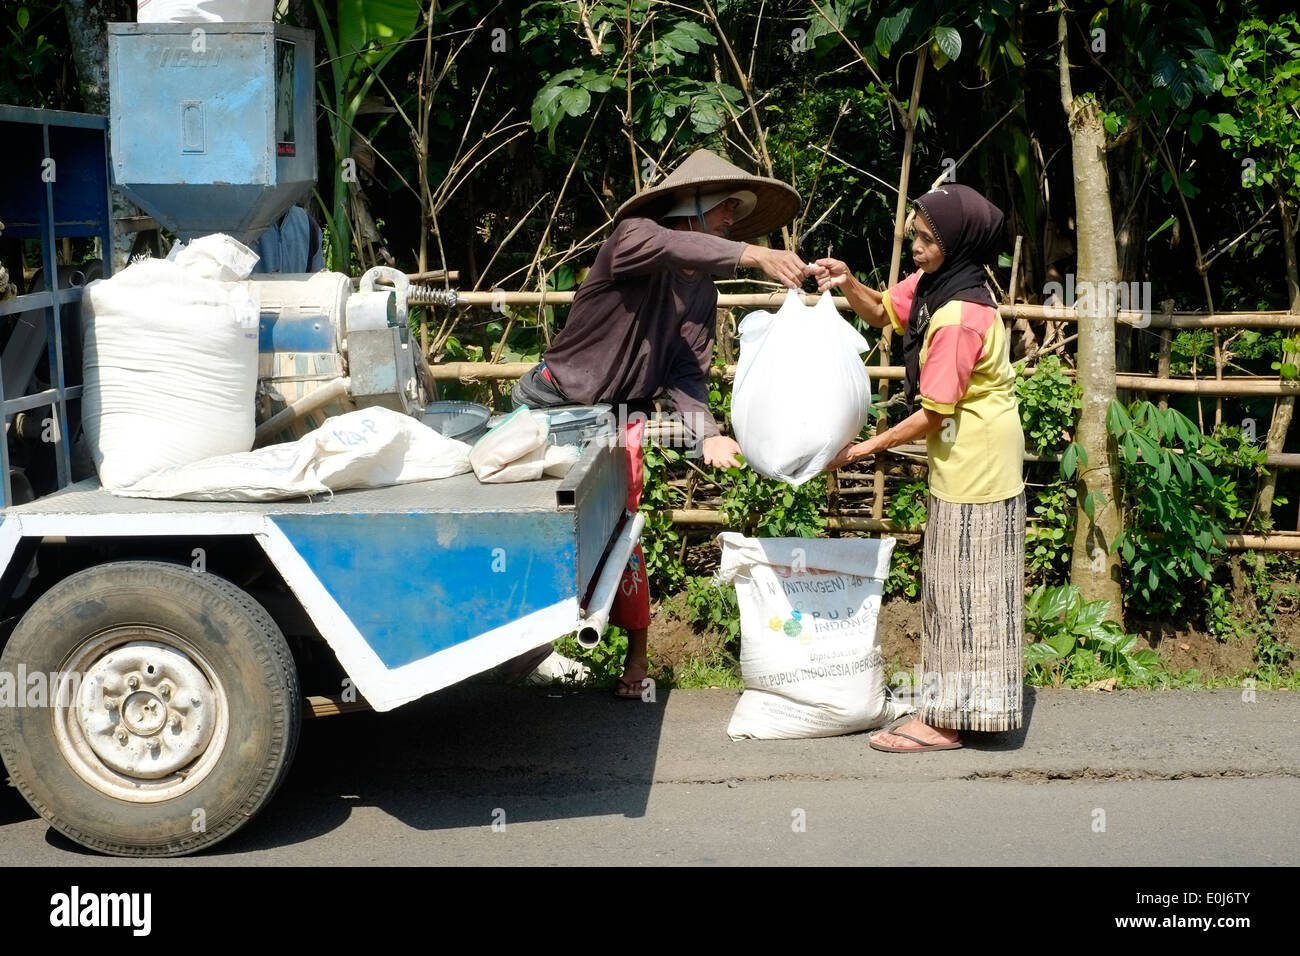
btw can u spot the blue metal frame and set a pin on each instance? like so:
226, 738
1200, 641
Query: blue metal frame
77, 145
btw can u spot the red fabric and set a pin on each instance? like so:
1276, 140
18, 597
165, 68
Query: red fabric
631, 607
901, 295
953, 352
546, 374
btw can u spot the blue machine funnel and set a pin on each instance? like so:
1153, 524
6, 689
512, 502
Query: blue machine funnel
212, 125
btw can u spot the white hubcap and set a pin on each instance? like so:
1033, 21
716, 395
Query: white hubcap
149, 718
145, 710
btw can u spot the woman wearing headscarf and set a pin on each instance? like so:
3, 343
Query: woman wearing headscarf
960, 395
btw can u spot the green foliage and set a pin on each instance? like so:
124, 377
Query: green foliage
361, 38
669, 73
1287, 369
1073, 643
904, 573
605, 659
718, 668
1263, 82
773, 509
1047, 554
907, 510
1049, 404
660, 541
713, 606
908, 505
1176, 509
35, 59
1271, 655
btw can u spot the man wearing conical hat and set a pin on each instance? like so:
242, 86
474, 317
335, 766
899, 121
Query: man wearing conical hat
643, 322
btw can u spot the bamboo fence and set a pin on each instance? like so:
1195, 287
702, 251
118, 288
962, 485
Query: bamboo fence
907, 462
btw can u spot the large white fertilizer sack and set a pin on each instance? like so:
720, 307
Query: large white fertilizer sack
169, 361
801, 391
368, 448
809, 654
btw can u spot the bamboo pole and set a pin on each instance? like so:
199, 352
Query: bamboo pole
1033, 313
896, 257
1228, 387
1277, 541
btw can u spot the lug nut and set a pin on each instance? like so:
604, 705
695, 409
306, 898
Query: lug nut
121, 737
165, 692
176, 725
133, 682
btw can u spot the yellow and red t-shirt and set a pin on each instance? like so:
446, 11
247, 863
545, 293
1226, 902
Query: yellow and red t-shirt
966, 376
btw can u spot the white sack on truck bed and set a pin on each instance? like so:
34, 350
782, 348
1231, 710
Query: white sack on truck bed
369, 448
809, 654
169, 359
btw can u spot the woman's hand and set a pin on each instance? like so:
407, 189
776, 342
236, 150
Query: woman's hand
829, 273
864, 300
848, 455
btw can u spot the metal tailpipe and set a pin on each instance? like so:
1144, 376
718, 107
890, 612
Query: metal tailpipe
596, 616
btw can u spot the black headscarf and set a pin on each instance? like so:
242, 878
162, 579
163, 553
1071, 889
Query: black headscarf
968, 228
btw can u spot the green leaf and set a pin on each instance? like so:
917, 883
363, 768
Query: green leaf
1225, 125
696, 32
1163, 226
1069, 459
949, 41
575, 100
1063, 642
1056, 600
1199, 564
23, 18
1040, 652
545, 107
1086, 505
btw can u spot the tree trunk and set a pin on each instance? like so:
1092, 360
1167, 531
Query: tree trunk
1095, 567
86, 19
1285, 406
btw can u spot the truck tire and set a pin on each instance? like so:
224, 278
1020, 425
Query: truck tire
170, 711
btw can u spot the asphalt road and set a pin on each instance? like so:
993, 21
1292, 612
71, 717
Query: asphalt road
485, 775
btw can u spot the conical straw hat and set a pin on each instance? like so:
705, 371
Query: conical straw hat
707, 172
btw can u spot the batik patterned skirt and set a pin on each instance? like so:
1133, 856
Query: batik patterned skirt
972, 604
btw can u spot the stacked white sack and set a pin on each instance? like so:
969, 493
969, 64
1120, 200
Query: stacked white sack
170, 361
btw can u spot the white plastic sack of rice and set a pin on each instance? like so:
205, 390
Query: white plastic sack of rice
809, 654
801, 391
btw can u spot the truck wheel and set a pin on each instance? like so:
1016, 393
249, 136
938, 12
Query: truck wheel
155, 709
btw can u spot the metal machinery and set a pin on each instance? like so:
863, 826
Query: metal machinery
238, 102
179, 642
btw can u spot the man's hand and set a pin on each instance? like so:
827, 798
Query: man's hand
720, 452
784, 267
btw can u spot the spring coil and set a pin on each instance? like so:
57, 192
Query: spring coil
431, 296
